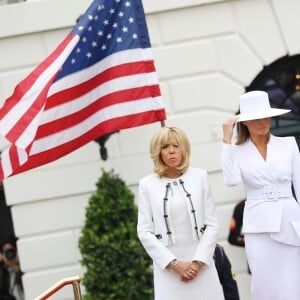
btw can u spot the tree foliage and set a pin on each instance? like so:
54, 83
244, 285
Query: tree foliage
117, 266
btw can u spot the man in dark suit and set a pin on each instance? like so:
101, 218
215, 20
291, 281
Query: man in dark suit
226, 275
11, 287
236, 237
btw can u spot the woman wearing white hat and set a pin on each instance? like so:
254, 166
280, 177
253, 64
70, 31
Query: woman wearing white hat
268, 166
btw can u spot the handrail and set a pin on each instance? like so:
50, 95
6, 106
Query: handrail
59, 285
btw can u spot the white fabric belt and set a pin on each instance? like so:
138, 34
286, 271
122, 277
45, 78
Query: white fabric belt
270, 193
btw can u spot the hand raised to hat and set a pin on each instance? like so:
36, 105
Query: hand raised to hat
228, 127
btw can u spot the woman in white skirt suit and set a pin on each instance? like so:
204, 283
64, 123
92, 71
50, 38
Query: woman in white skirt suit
268, 166
177, 224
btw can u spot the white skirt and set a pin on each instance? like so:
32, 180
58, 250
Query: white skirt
168, 286
275, 268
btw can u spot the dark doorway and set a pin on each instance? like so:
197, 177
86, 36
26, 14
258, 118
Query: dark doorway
6, 224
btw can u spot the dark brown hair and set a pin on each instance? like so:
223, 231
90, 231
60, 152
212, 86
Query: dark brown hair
242, 133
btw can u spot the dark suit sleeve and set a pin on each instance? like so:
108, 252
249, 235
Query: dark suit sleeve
236, 236
226, 275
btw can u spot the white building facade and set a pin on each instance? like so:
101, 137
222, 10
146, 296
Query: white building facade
206, 53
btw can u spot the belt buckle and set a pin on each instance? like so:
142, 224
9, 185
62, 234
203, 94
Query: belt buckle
270, 194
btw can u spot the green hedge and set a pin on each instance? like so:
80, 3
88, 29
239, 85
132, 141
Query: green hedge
117, 266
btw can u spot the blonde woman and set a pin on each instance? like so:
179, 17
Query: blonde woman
177, 224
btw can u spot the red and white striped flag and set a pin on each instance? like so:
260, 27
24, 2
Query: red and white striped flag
99, 80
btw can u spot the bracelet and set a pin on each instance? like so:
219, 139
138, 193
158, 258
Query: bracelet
173, 263
227, 138
199, 263
227, 141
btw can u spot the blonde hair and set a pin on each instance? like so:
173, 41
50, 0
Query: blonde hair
160, 139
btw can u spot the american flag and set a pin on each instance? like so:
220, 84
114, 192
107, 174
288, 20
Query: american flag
99, 80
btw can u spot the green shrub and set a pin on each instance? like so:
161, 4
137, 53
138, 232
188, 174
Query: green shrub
117, 266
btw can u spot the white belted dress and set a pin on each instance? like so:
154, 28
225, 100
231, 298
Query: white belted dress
271, 221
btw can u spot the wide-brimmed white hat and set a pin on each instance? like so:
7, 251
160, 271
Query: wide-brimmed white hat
256, 105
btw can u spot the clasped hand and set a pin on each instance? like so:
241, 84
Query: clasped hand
187, 270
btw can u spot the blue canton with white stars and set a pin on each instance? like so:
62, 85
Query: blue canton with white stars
108, 26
